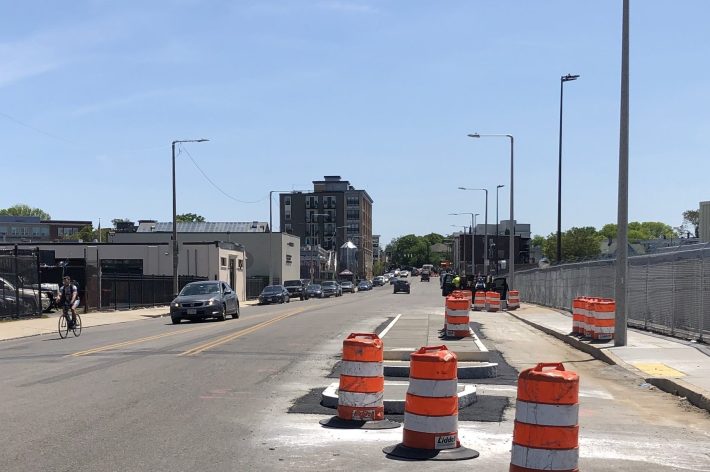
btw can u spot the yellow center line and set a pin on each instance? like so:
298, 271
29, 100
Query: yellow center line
230, 337
135, 341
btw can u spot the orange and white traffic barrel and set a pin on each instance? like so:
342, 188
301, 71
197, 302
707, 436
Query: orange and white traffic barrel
468, 294
492, 301
431, 408
362, 383
513, 299
590, 316
546, 434
577, 315
479, 300
457, 317
604, 319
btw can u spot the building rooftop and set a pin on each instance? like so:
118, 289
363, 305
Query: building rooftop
205, 227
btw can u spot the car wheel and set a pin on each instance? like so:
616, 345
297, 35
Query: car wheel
235, 316
302, 298
175, 320
288, 299
223, 313
283, 299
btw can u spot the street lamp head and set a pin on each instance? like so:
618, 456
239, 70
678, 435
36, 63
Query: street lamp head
500, 186
453, 214
463, 188
201, 140
568, 77
474, 135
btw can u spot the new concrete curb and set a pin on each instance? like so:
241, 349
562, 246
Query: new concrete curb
695, 395
481, 370
329, 398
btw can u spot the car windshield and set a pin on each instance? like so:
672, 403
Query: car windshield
200, 289
292, 283
346, 283
328, 284
314, 287
273, 289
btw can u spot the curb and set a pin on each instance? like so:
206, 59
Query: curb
483, 370
695, 395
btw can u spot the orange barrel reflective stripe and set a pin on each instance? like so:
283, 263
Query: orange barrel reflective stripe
457, 311
479, 301
362, 382
577, 316
431, 408
605, 315
492, 301
589, 317
513, 299
546, 433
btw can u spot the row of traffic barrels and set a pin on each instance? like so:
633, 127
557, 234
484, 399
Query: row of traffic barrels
593, 317
488, 300
546, 430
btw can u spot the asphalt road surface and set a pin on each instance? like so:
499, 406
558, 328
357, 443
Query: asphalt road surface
214, 396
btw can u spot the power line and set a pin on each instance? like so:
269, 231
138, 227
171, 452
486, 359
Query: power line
213, 183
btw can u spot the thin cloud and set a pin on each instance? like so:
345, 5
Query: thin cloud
348, 7
119, 102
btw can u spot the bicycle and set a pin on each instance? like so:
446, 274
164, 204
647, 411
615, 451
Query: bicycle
64, 324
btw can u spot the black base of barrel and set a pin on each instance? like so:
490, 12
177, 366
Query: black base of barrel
336, 422
403, 452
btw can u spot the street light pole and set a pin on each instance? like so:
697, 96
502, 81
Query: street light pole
511, 249
498, 187
486, 263
473, 246
463, 256
175, 242
563, 79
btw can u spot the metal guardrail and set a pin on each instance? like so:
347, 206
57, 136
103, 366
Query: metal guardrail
668, 293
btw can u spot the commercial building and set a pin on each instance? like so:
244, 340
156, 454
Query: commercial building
263, 248
332, 214
498, 246
33, 229
378, 253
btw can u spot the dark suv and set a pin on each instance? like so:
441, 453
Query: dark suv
297, 288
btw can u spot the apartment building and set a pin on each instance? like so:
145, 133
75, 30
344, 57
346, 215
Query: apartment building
332, 214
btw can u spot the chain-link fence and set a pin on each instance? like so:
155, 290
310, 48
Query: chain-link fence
667, 293
20, 293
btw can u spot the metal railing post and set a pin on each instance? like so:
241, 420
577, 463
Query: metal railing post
647, 311
701, 322
673, 300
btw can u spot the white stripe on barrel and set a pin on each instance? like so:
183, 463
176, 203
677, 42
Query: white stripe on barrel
546, 415
451, 312
360, 399
433, 388
431, 424
545, 459
456, 327
362, 369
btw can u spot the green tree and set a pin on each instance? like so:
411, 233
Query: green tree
89, 234
189, 218
640, 231
378, 268
537, 241
577, 244
692, 217
115, 221
21, 209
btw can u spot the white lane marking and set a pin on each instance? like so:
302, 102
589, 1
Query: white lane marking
389, 326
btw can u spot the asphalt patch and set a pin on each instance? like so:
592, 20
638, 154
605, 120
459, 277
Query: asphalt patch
507, 374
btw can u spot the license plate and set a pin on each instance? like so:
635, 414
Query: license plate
191, 311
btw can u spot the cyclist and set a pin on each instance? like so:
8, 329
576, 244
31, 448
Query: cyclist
69, 299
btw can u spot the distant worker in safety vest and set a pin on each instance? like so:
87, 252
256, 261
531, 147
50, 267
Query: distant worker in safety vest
456, 282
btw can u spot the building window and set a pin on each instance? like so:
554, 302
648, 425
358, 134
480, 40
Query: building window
288, 227
288, 259
223, 261
311, 202
240, 264
287, 200
287, 215
329, 202
353, 201
353, 214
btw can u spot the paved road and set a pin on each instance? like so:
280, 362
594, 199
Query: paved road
150, 396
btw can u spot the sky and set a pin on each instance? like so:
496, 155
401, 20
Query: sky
382, 93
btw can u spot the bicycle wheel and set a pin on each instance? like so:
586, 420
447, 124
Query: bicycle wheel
63, 327
77, 326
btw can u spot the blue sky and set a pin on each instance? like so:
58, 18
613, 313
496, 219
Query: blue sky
382, 93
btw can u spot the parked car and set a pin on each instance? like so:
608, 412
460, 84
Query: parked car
297, 288
364, 286
415, 272
347, 286
404, 273
401, 285
274, 294
378, 281
425, 276
28, 296
207, 299
331, 288
314, 290
393, 280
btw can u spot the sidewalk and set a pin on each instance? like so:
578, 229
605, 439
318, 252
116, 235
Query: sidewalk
13, 329
673, 366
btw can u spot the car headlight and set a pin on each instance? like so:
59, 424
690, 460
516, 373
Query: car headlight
211, 301
175, 305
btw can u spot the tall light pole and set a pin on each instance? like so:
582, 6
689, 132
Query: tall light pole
498, 187
473, 246
511, 281
623, 209
175, 242
486, 263
563, 79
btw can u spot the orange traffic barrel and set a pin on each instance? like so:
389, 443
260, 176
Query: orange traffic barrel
362, 385
492, 301
457, 317
431, 408
479, 300
513, 299
467, 294
546, 433
577, 315
589, 315
604, 319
